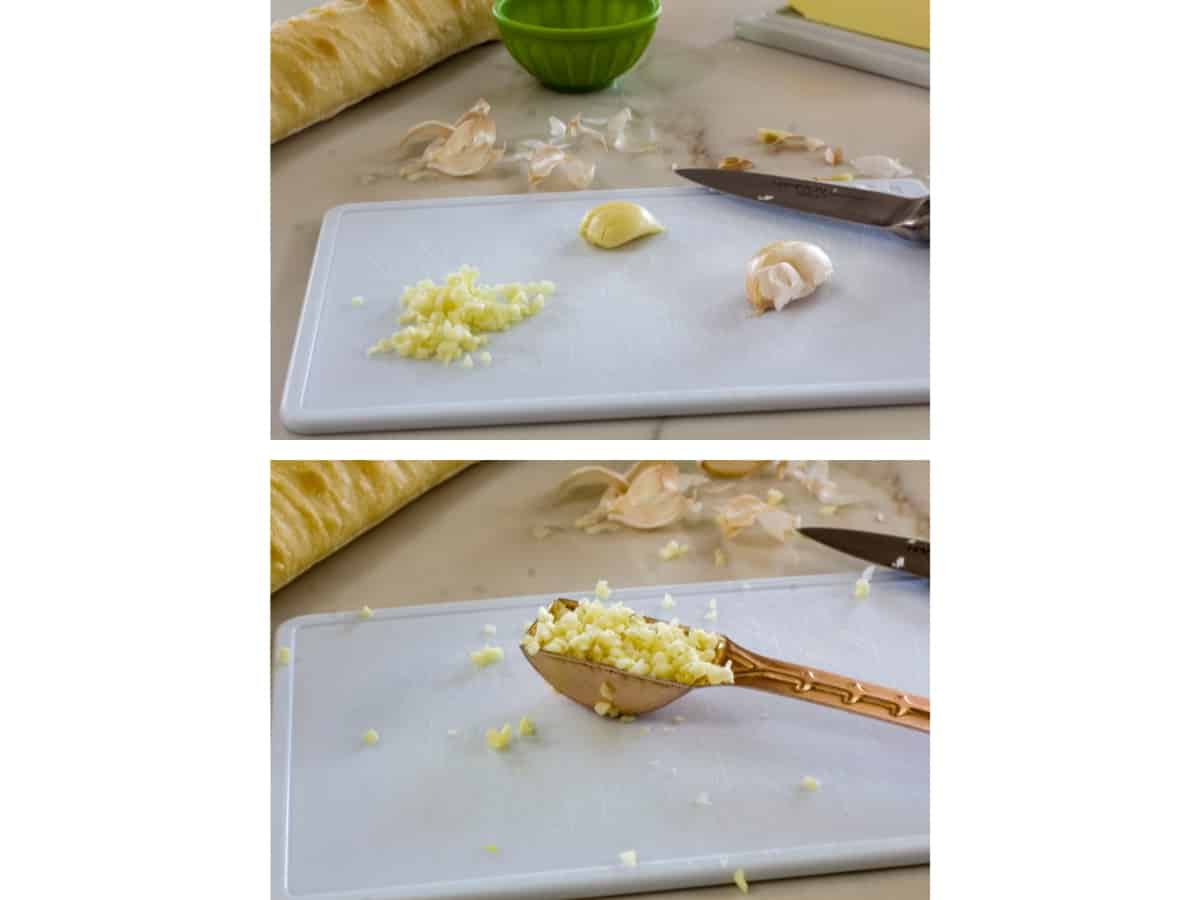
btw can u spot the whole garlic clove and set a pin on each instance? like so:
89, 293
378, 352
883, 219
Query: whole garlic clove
613, 224
784, 271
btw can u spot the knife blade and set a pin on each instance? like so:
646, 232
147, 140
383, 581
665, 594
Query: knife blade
875, 547
900, 214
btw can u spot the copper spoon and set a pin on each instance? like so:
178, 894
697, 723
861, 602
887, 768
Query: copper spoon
581, 679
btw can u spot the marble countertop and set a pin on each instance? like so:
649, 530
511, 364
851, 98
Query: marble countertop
488, 514
707, 94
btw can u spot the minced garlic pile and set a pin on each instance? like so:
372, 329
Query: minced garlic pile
449, 321
617, 636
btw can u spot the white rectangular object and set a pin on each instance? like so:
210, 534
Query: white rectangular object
658, 327
787, 30
410, 816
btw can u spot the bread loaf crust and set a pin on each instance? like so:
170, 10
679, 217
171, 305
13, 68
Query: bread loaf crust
319, 506
342, 52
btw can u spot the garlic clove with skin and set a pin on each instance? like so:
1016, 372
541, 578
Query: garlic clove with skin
784, 271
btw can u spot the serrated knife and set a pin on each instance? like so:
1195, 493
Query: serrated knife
909, 555
907, 217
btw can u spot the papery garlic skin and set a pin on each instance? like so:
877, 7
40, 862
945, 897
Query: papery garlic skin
784, 271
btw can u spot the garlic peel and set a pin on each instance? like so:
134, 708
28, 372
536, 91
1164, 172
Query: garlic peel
784, 271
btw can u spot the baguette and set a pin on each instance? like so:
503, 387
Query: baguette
317, 507
342, 52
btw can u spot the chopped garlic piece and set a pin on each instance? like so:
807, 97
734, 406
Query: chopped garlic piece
487, 656
602, 707
774, 497
739, 878
485, 358
899, 563
834, 156
879, 517
711, 615
283, 655
862, 588
765, 198
603, 591
712, 603
357, 301
735, 162
668, 602
467, 362
672, 550
526, 728
606, 691
628, 719
489, 629
678, 719
446, 322
366, 613
702, 799
452, 732
498, 740
617, 636
719, 557
628, 858
371, 737
491, 848
808, 783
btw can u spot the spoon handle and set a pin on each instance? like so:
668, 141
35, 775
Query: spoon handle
762, 673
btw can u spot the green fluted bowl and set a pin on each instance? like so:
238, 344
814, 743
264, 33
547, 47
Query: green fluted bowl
577, 45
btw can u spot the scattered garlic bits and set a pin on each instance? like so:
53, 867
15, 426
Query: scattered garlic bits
486, 656
603, 591
491, 848
808, 783
736, 163
370, 737
711, 615
628, 858
357, 301
862, 587
366, 613
283, 656
720, 560
499, 740
617, 636
774, 497
616, 223
526, 728
784, 271
776, 139
672, 550
739, 878
446, 321
489, 629
668, 602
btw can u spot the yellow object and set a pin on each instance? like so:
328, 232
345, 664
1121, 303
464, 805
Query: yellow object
613, 224
774, 497
449, 320
808, 783
319, 506
672, 550
899, 21
617, 636
491, 848
487, 656
525, 727
366, 613
371, 738
284, 656
498, 740
739, 878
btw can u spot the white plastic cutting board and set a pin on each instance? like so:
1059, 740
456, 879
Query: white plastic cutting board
410, 816
659, 327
